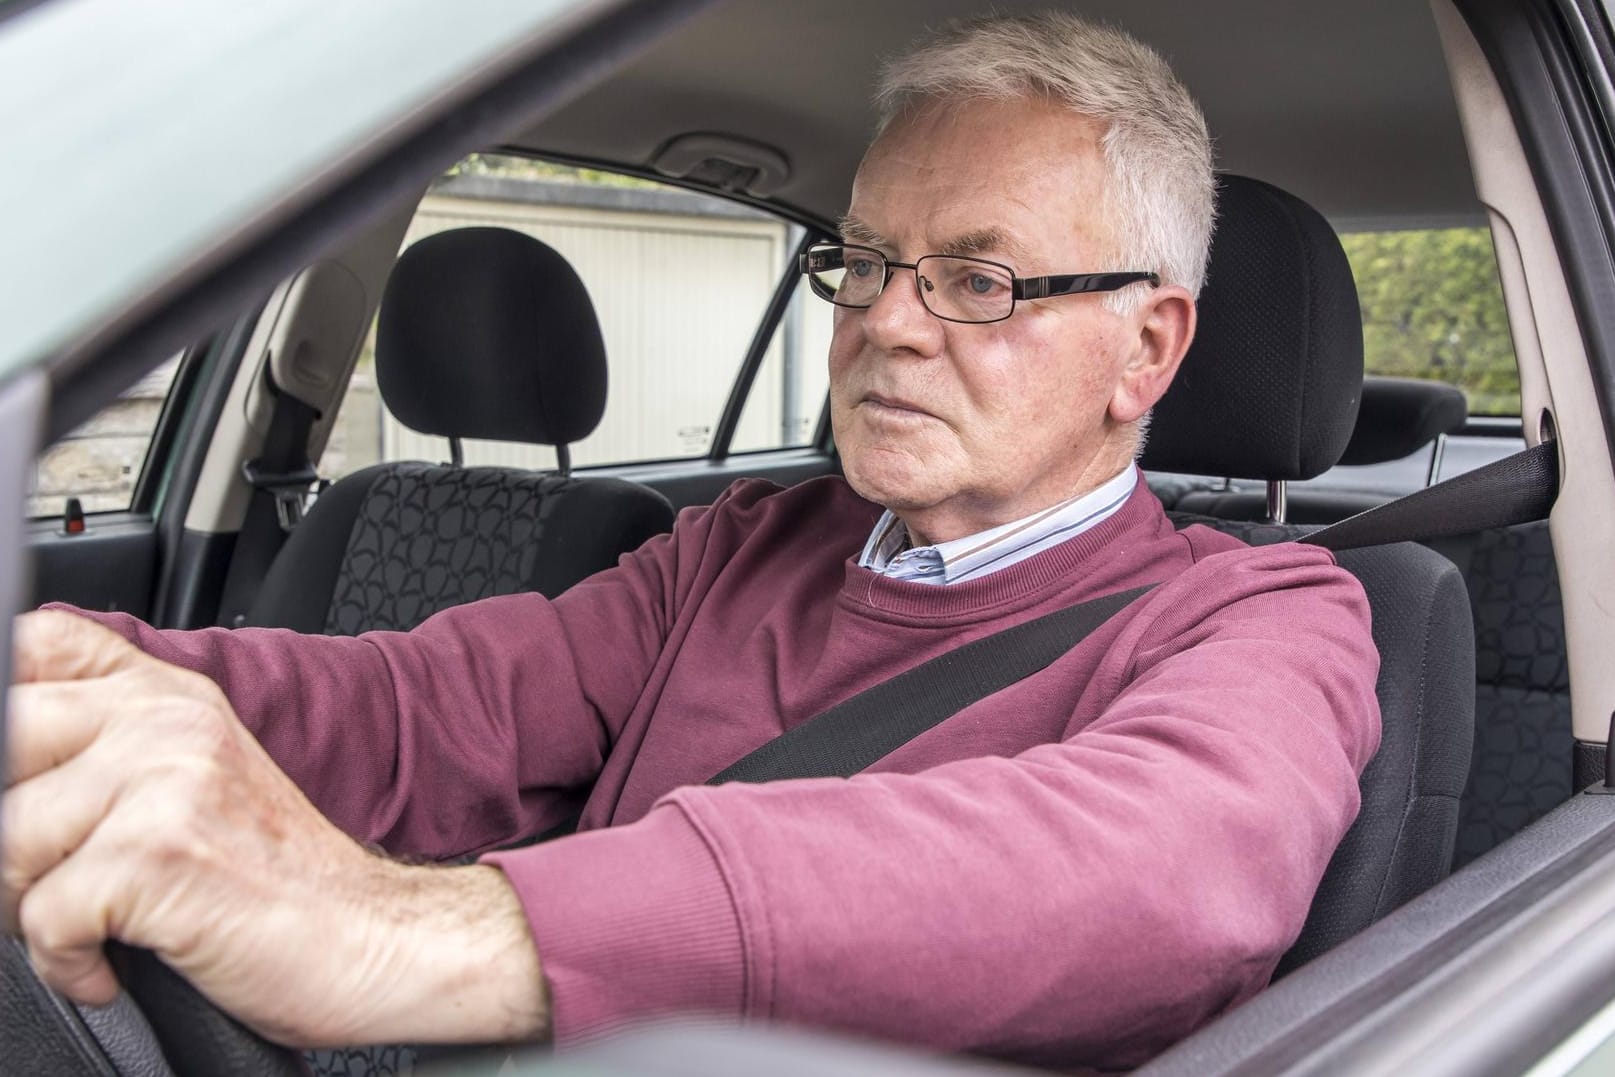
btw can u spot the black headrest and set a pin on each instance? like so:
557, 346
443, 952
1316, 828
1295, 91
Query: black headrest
1400, 416
1269, 388
488, 333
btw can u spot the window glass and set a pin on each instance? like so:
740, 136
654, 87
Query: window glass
679, 282
1433, 308
100, 462
782, 410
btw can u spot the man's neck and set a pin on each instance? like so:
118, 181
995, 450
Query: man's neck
939, 524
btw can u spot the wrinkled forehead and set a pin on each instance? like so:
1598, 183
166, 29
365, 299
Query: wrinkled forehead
1029, 173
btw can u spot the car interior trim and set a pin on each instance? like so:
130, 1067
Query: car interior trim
789, 282
335, 204
1443, 954
1551, 352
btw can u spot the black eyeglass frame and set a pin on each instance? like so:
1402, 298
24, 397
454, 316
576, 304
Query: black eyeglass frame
809, 263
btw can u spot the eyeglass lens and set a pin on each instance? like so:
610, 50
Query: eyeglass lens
960, 289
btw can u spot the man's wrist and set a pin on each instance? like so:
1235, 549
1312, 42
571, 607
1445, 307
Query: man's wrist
453, 961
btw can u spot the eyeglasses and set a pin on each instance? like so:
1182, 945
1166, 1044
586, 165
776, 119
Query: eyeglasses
970, 290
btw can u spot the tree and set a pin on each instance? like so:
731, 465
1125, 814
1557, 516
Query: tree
1432, 308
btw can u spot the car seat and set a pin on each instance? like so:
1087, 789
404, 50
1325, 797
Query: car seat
483, 333
1269, 391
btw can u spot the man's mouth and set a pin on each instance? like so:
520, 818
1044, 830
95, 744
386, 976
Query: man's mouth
894, 403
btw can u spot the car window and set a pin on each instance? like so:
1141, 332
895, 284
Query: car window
783, 407
679, 281
1433, 308
100, 462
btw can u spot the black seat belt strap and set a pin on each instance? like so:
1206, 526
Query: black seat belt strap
1514, 490
850, 736
281, 477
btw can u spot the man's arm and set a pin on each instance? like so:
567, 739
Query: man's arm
138, 807
1097, 898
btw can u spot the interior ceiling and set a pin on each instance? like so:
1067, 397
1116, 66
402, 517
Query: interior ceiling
1345, 104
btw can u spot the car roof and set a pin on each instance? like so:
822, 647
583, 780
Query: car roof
1346, 105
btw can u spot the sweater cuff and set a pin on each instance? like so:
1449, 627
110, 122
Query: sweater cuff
631, 923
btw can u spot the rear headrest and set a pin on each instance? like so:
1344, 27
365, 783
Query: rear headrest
488, 333
1400, 416
1269, 388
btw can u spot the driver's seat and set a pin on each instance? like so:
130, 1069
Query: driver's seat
1270, 391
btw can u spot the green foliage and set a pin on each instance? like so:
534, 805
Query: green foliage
501, 164
1432, 308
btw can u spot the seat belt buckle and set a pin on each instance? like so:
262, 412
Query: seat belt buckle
290, 489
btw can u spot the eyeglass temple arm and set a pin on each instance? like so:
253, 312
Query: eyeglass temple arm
1072, 283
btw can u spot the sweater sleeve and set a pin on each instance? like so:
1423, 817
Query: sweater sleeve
1093, 899
485, 724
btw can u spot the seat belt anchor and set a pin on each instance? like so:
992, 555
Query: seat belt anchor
290, 489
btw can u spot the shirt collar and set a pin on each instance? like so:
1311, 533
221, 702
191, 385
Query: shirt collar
997, 548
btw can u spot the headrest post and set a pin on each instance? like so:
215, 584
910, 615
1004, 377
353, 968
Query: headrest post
456, 453
1435, 459
1277, 507
563, 461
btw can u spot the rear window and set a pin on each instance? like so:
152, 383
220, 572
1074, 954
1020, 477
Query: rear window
1433, 308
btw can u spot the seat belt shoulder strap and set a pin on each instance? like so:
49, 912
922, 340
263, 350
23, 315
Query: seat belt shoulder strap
847, 738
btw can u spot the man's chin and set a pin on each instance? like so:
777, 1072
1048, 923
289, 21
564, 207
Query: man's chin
895, 490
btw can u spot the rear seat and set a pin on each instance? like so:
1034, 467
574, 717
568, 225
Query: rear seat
1524, 748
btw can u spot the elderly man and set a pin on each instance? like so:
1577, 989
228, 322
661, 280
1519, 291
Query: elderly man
1080, 868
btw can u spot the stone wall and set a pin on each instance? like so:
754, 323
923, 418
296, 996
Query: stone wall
99, 462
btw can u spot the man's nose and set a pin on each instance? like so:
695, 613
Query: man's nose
898, 319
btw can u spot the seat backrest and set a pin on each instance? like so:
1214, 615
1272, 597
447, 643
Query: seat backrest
1270, 391
483, 333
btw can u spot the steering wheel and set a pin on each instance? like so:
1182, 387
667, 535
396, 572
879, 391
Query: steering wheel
162, 1018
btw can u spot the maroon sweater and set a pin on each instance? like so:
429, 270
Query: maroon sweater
1080, 869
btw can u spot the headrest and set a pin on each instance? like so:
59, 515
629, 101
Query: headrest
488, 333
1400, 416
1269, 387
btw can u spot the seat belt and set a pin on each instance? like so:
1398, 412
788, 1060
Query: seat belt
1514, 490
281, 477
853, 734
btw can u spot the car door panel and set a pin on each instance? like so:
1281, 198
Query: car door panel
111, 565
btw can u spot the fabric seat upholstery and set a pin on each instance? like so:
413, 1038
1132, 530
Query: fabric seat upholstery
483, 333
1270, 391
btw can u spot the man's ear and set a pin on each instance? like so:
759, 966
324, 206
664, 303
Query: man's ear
1165, 323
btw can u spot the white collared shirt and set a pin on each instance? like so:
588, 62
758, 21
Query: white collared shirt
974, 556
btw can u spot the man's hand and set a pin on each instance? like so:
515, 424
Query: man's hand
137, 807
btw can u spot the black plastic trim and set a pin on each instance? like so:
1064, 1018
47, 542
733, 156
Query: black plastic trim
1589, 765
349, 197
782, 210
1529, 47
154, 468
784, 292
176, 600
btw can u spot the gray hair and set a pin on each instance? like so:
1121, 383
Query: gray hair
1157, 152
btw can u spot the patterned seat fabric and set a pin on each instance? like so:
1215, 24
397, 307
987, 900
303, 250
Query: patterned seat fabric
483, 333
1524, 746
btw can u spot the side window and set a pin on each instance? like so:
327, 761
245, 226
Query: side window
782, 410
100, 462
1433, 308
679, 282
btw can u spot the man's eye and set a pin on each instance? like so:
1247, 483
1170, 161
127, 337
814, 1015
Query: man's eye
978, 284
861, 267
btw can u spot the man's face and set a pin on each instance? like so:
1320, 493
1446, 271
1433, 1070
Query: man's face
958, 428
